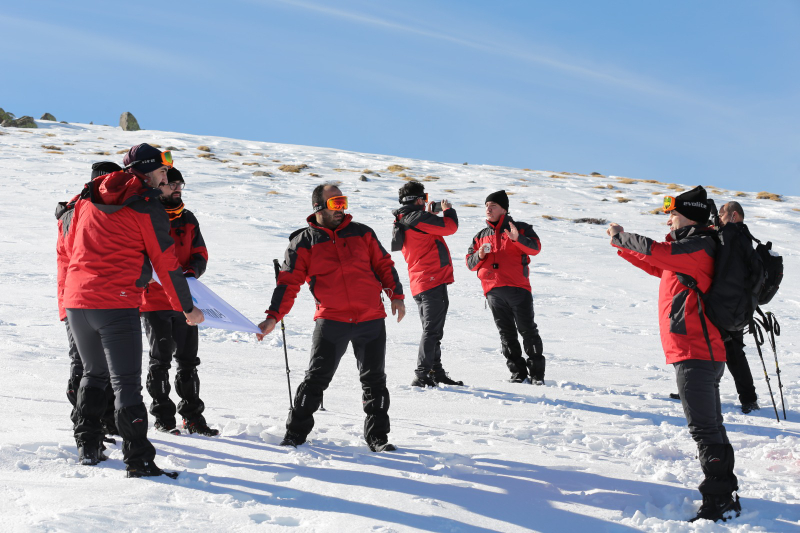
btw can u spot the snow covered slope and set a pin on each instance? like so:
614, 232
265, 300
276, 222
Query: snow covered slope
599, 448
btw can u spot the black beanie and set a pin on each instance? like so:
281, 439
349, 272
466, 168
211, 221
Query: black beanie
173, 174
498, 197
694, 205
144, 158
104, 167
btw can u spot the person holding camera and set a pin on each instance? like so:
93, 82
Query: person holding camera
692, 345
500, 254
420, 233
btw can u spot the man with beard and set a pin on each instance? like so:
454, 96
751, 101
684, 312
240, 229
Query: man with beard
168, 334
346, 269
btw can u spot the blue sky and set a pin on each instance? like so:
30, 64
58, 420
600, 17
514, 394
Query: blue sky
682, 91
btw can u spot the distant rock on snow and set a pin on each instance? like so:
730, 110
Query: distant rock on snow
128, 122
22, 122
48, 116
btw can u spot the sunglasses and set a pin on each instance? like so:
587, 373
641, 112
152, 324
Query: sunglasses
669, 204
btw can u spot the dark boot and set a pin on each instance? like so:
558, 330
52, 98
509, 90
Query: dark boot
162, 407
425, 380
199, 426
443, 378
716, 507
717, 462
89, 407
536, 369
146, 469
187, 385
132, 425
292, 439
376, 405
90, 453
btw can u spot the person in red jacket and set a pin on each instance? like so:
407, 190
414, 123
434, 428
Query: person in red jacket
346, 269
64, 217
419, 233
118, 230
168, 334
692, 345
500, 255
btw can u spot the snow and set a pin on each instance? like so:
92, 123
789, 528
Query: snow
599, 448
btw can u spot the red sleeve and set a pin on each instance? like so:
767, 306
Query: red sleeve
445, 225
383, 265
637, 260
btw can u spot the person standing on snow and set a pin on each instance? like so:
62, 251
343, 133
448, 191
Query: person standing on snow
117, 229
346, 269
733, 214
168, 334
419, 233
500, 254
692, 345
64, 211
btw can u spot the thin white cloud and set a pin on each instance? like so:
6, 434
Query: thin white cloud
610, 75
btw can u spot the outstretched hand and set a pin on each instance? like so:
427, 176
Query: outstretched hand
194, 317
514, 233
399, 309
266, 328
614, 229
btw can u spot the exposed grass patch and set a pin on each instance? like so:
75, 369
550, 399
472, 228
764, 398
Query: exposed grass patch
656, 192
173, 149
154, 145
293, 168
796, 209
367, 171
650, 181
675, 187
470, 205
254, 164
49, 134
527, 170
627, 181
510, 193
764, 195
449, 191
740, 194
73, 144
236, 153
50, 147
204, 148
406, 178
262, 173
258, 153
273, 192
313, 175
205, 155
556, 176
396, 168
430, 178
657, 211
609, 186
100, 152
53, 152
120, 151
598, 221
623, 200
276, 160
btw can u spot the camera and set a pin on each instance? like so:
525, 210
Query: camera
437, 207
487, 247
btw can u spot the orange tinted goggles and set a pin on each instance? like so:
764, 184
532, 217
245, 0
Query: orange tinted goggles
337, 203
166, 158
669, 204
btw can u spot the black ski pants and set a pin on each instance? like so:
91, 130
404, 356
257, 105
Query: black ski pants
739, 367
170, 336
433, 305
109, 342
512, 309
698, 388
328, 345
74, 383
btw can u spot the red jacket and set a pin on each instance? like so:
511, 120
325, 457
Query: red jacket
507, 264
345, 269
190, 249
64, 216
118, 228
420, 235
690, 251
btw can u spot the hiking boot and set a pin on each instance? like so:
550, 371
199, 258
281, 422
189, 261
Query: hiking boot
423, 381
381, 444
446, 380
516, 377
714, 507
750, 407
90, 454
200, 427
292, 439
147, 469
160, 425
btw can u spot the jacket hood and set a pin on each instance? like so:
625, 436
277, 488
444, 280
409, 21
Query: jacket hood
406, 209
690, 231
117, 188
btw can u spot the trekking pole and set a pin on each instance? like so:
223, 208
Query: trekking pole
758, 336
283, 331
773, 328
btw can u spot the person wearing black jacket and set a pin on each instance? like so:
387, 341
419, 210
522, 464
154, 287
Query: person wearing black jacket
732, 214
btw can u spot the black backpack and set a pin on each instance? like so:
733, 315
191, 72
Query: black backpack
773, 270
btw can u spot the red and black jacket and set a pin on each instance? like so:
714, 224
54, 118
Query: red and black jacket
64, 216
691, 251
190, 249
118, 228
420, 236
346, 269
507, 264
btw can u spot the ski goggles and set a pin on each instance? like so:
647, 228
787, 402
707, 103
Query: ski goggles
165, 160
415, 198
335, 203
670, 203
